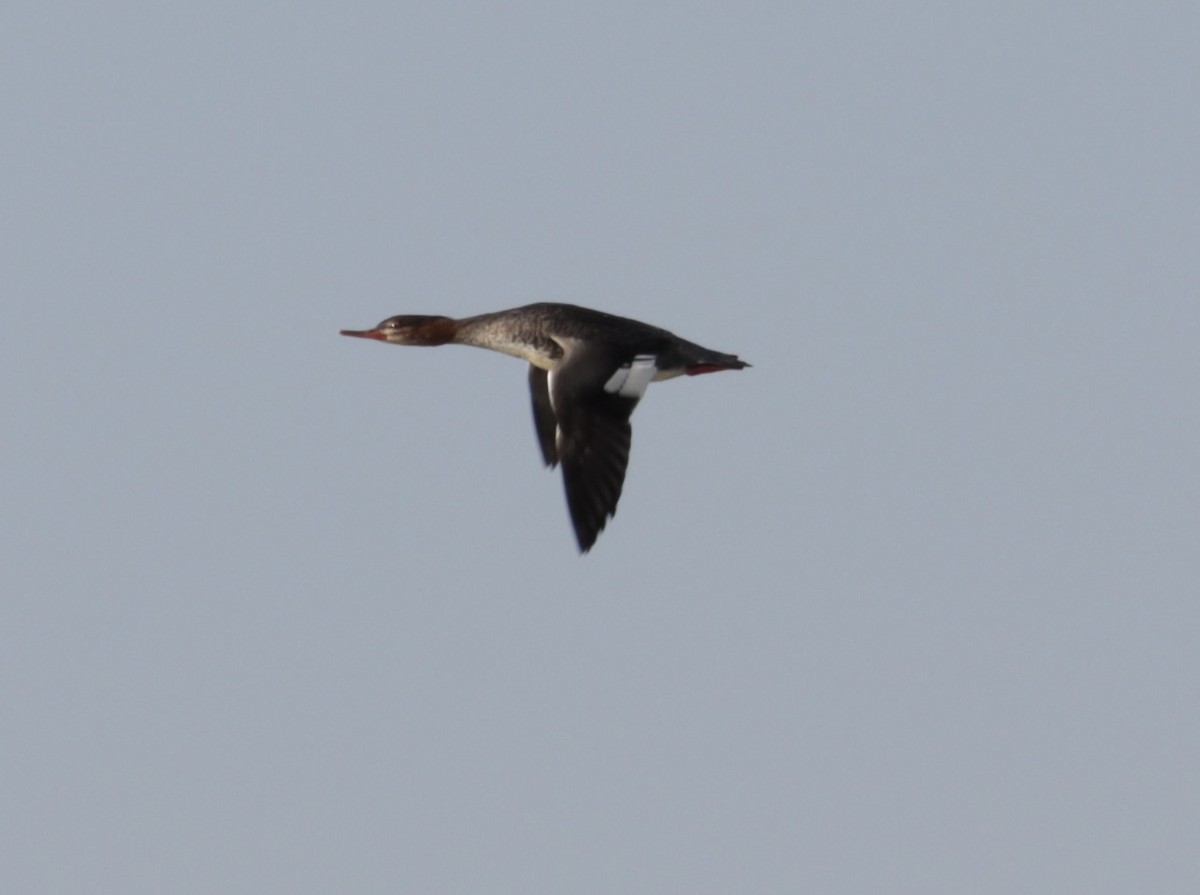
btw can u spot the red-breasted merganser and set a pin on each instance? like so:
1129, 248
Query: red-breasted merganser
587, 371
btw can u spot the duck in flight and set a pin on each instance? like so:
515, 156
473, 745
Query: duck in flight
587, 372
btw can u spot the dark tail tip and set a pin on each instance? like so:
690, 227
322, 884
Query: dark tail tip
697, 369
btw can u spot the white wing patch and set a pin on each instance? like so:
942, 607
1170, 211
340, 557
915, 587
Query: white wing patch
631, 379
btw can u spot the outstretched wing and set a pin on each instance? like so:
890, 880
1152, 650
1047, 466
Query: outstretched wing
592, 395
544, 421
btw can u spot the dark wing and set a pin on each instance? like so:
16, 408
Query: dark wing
544, 421
595, 454
594, 395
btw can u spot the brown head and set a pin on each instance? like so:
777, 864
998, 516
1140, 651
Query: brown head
409, 329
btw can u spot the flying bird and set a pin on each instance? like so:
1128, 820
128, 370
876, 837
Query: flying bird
587, 372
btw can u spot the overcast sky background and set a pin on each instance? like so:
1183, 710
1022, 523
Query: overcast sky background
910, 606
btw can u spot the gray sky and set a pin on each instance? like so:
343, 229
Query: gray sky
910, 606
